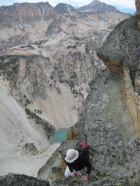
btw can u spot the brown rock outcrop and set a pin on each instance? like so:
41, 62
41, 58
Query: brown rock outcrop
71, 133
137, 3
122, 46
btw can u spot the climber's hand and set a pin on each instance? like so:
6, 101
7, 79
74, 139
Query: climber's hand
85, 178
73, 174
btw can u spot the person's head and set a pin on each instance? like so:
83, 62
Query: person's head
71, 155
83, 144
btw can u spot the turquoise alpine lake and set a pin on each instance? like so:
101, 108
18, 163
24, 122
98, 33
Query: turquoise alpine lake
59, 136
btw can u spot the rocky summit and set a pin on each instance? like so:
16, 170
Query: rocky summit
51, 77
97, 6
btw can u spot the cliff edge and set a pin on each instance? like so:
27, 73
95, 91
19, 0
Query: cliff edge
111, 117
120, 53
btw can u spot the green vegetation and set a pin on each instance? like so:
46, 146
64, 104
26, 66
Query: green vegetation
74, 46
48, 58
73, 76
30, 46
27, 102
15, 68
58, 90
76, 93
40, 42
77, 38
48, 128
22, 46
29, 63
71, 84
10, 63
87, 48
92, 60
38, 111
2, 58
9, 67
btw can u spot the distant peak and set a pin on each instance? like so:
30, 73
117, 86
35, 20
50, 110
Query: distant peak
97, 6
95, 1
64, 8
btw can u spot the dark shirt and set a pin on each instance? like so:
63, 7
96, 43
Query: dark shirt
79, 164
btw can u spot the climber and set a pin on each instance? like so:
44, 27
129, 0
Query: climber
76, 161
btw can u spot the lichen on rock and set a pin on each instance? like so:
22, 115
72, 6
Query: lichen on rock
137, 3
21, 180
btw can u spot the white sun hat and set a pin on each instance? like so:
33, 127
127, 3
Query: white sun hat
71, 155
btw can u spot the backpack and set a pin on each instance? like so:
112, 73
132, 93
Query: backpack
83, 149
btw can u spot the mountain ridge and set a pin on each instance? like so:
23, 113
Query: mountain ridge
30, 12
97, 6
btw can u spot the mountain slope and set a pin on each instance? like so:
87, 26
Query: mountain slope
47, 58
97, 6
23, 145
23, 13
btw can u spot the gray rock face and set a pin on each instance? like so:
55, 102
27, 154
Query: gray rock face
109, 130
114, 153
21, 180
123, 46
120, 54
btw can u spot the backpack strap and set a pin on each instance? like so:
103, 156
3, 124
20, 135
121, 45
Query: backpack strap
83, 149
